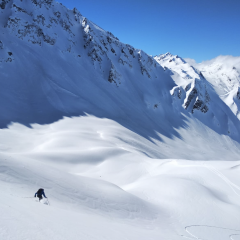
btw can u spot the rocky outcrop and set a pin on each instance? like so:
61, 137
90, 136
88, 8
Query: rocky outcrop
3, 3
114, 76
193, 89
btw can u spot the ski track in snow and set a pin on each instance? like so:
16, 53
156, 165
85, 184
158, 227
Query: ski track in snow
232, 187
232, 236
210, 238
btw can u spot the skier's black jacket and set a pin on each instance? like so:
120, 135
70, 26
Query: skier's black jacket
39, 193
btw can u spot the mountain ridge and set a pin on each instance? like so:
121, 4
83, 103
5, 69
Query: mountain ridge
58, 63
220, 72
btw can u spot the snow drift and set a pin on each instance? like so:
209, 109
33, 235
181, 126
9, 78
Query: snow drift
102, 184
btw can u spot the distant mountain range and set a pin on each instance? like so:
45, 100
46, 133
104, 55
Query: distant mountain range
223, 73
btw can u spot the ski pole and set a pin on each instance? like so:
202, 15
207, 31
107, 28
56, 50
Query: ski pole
48, 202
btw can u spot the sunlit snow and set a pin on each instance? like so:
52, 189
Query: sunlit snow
126, 146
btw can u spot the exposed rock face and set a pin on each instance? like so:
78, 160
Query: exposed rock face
39, 25
190, 80
223, 73
114, 76
5, 54
238, 95
3, 3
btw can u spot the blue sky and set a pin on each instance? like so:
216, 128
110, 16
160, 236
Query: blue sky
198, 29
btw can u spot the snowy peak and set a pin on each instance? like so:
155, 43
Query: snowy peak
195, 93
223, 73
192, 87
179, 65
168, 57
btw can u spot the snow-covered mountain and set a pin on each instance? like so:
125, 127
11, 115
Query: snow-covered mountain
56, 63
193, 90
121, 142
223, 73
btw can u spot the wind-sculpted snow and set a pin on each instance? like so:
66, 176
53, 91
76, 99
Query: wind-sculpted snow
104, 181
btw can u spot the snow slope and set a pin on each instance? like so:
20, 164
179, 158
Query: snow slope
102, 184
102, 127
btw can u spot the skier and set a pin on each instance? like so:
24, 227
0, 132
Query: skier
39, 194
